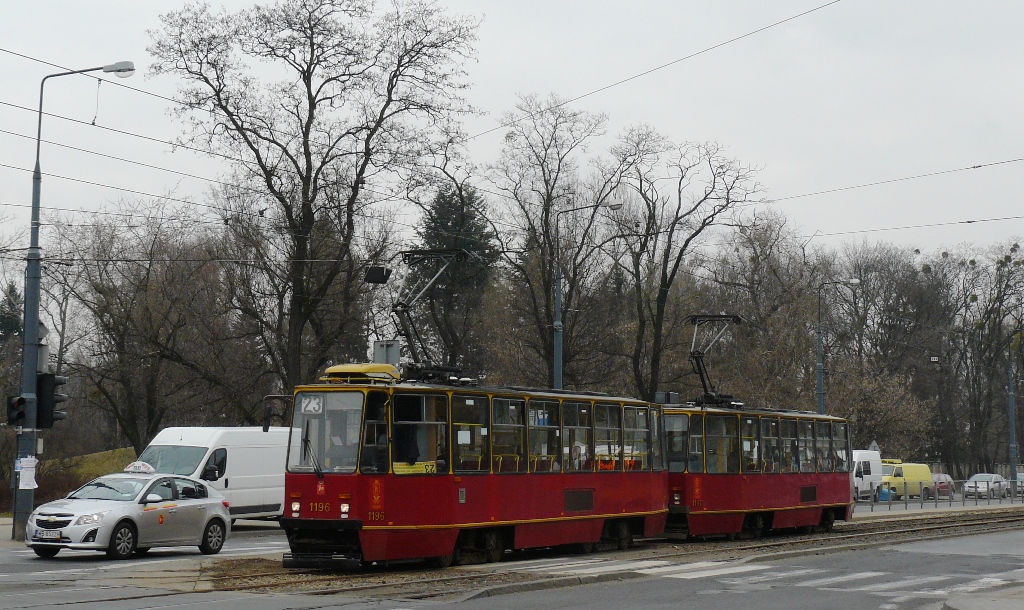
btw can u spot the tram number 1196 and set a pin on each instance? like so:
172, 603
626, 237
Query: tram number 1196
375, 515
319, 507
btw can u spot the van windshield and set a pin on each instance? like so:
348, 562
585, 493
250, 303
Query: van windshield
173, 459
325, 432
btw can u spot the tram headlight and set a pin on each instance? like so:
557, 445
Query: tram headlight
296, 506
677, 498
344, 509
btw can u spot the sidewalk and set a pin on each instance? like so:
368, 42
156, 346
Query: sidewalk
1010, 598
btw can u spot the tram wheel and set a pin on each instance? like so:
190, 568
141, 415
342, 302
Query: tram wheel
493, 546
828, 521
444, 561
756, 526
623, 536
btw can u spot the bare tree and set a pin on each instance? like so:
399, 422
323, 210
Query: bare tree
662, 225
363, 94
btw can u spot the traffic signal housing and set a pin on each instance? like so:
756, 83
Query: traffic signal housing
48, 399
15, 410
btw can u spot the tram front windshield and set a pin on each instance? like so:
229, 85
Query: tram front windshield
325, 432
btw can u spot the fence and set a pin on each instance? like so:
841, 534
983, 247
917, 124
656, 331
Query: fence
962, 493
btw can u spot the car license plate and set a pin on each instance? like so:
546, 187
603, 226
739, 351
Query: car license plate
48, 534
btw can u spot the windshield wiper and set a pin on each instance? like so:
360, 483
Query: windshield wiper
307, 446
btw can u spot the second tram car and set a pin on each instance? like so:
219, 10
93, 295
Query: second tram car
382, 469
733, 469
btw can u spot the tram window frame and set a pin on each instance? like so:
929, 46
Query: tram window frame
823, 446
636, 434
805, 437
750, 454
373, 457
544, 438
695, 441
577, 421
406, 451
471, 447
722, 442
841, 432
608, 437
677, 443
771, 445
508, 423
656, 453
788, 445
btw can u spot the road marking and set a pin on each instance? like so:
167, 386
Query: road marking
773, 576
719, 571
818, 582
682, 567
899, 584
976, 585
628, 566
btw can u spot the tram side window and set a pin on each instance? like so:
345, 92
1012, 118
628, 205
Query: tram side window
420, 445
657, 457
790, 449
841, 447
771, 457
823, 457
577, 449
543, 431
608, 436
749, 445
675, 441
635, 423
695, 462
469, 434
374, 458
806, 438
722, 444
508, 443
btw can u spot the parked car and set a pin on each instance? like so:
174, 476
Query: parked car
131, 512
984, 484
942, 485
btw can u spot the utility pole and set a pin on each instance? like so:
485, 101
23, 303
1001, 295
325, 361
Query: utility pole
1013, 421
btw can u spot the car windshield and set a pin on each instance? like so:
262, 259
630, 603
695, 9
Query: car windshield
173, 459
109, 488
981, 477
887, 470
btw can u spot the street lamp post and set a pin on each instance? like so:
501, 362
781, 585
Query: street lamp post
557, 326
820, 385
30, 365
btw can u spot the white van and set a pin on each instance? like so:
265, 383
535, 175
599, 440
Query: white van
867, 474
246, 465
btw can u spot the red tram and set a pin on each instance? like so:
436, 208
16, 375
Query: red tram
733, 469
382, 469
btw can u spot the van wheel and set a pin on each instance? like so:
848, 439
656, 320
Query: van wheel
926, 494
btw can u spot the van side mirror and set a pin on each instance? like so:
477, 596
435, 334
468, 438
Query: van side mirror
210, 473
152, 499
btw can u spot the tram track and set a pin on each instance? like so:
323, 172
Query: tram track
412, 582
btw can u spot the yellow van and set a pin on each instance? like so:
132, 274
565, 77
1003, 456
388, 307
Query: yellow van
912, 479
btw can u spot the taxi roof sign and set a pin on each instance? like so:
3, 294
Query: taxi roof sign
139, 467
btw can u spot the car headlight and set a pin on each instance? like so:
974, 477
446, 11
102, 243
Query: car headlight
90, 519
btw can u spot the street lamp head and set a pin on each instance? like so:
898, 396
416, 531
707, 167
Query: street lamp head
122, 69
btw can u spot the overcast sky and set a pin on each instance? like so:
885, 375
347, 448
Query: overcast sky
854, 93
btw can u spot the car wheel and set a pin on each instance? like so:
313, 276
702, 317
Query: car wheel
46, 552
122, 541
213, 538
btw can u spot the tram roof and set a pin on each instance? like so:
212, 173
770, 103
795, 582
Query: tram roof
747, 410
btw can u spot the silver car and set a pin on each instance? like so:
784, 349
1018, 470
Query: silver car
131, 512
984, 484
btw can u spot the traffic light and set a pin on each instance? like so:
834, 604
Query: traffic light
48, 398
15, 410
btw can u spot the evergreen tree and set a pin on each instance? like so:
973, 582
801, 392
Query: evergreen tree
10, 313
454, 219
